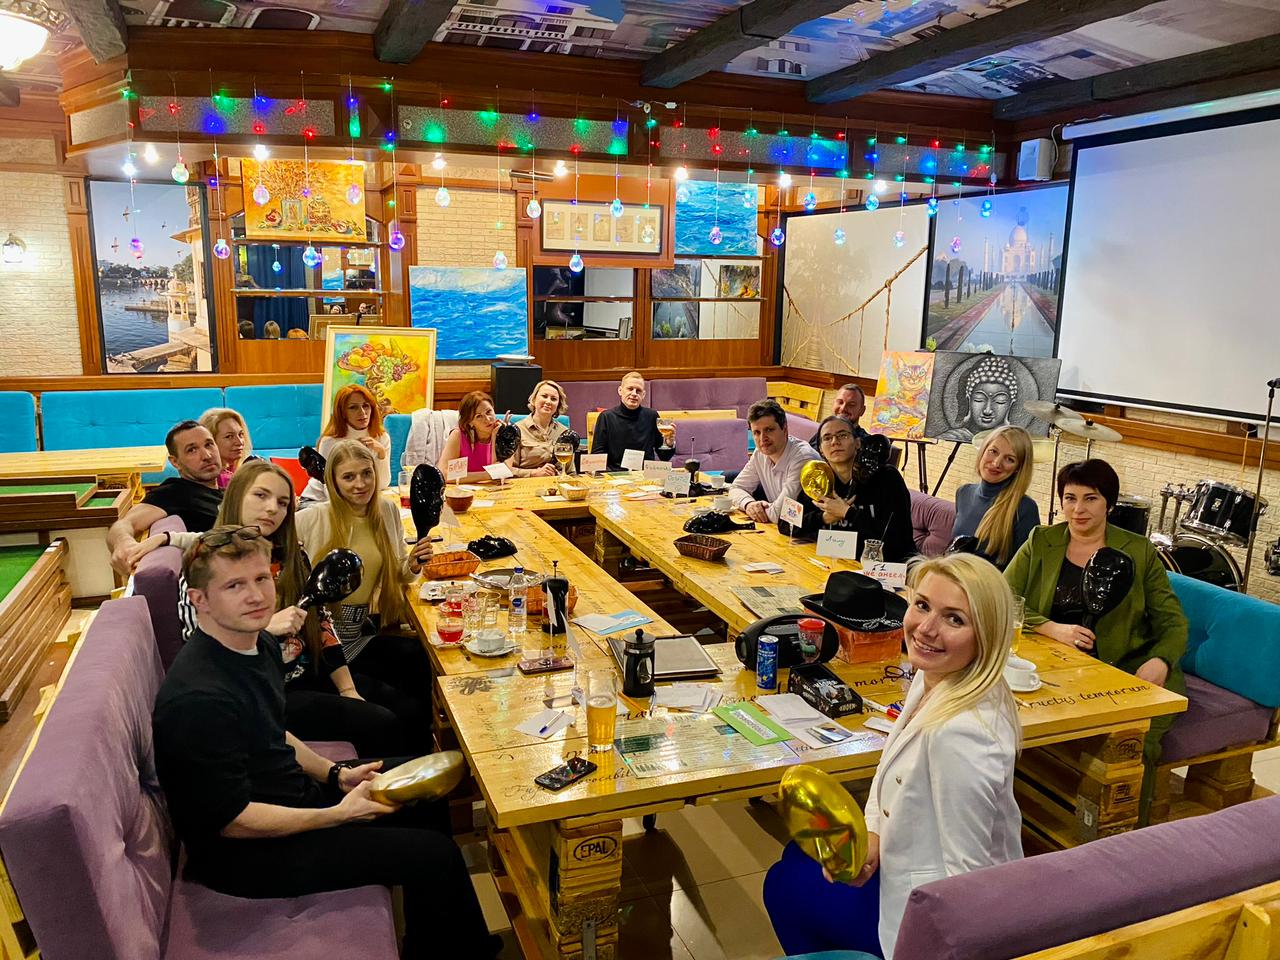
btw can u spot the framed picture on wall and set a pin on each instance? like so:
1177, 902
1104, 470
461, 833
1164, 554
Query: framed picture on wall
590, 227
397, 365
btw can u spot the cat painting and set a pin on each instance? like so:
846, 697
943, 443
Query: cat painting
902, 395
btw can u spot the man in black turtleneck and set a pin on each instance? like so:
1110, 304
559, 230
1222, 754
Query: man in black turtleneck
628, 426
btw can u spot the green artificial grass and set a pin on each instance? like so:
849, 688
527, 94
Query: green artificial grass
15, 561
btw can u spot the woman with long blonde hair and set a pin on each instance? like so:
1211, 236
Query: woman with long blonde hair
358, 518
356, 416
996, 510
231, 434
945, 773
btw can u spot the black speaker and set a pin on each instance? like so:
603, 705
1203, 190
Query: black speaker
510, 385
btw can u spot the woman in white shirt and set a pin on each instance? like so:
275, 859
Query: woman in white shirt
355, 417
941, 803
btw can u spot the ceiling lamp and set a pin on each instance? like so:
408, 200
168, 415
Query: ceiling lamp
25, 25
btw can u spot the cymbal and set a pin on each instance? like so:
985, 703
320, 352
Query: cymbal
1088, 430
1050, 412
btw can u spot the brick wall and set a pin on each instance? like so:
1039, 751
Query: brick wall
464, 234
39, 333
1143, 472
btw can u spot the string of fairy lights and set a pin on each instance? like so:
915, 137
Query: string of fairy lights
827, 156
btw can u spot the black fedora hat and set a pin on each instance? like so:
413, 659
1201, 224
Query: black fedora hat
856, 601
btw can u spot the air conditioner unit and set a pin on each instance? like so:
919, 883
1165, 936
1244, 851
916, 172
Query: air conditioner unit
1036, 159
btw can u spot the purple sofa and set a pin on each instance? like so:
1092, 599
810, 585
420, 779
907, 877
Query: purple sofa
718, 393
1018, 908
156, 578
89, 846
932, 520
716, 444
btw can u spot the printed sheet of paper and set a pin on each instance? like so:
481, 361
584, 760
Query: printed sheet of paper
771, 601
682, 743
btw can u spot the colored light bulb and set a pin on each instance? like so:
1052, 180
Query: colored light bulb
900, 238
261, 195
903, 196
221, 249
260, 152
616, 209
932, 206
955, 244
986, 208
575, 263
276, 266
534, 210
810, 201
353, 126
311, 256
879, 186
442, 197
180, 173
136, 246
396, 240
777, 237
715, 236
681, 174
499, 261
839, 237
129, 169
750, 199
873, 202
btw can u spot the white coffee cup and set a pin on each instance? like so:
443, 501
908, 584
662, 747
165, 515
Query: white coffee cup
722, 504
716, 480
1020, 673
490, 641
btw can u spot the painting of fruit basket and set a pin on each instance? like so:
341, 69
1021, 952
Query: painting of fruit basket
398, 365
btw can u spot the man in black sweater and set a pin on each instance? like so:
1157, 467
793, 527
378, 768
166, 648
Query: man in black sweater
629, 426
260, 813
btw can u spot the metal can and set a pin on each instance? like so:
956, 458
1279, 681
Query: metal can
767, 662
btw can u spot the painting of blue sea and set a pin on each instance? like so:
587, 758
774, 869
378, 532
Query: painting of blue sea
696, 214
478, 312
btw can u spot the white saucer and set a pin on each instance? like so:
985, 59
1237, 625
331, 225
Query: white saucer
1027, 688
500, 652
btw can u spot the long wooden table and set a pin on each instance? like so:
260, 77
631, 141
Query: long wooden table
126, 464
1079, 777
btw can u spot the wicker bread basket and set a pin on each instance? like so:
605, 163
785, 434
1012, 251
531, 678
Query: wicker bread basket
702, 547
451, 565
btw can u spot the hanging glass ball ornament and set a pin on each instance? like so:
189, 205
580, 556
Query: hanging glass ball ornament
879, 186
575, 263
903, 197
873, 202
647, 233
276, 266
499, 261
354, 193
750, 199
810, 201
261, 195
221, 249
992, 179
396, 240
616, 208
306, 193
715, 236
533, 210
838, 237
180, 173
136, 246
311, 256
932, 206
900, 238
777, 237
986, 208
955, 244
442, 197
682, 194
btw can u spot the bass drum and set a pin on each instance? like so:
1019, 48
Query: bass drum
1199, 558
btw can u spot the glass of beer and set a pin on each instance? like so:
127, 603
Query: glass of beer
668, 430
602, 709
564, 456
1019, 614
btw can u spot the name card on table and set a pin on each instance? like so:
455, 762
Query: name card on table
632, 459
594, 462
792, 511
655, 469
676, 483
838, 543
891, 575
455, 469
498, 471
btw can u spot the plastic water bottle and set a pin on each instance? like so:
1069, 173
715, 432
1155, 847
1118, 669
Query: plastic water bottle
518, 604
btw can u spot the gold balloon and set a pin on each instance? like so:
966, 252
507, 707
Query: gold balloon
425, 778
816, 478
824, 821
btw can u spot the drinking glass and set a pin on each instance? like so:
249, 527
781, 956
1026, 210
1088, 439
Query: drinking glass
489, 607
667, 428
453, 600
564, 456
471, 613
873, 552
405, 479
449, 627
602, 709
1018, 615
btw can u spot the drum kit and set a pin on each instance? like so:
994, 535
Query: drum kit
1065, 420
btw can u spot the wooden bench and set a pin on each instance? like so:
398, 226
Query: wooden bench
796, 398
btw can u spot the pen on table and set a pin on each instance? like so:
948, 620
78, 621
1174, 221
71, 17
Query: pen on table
542, 731
818, 563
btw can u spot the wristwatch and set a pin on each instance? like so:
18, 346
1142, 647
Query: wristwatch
336, 770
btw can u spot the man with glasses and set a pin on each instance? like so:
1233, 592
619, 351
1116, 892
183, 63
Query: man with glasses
192, 495
260, 813
773, 472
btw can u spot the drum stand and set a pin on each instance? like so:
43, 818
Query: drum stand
1257, 493
1053, 477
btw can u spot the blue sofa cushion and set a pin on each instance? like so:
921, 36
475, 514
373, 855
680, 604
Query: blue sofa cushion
17, 422
281, 417
397, 426
1233, 640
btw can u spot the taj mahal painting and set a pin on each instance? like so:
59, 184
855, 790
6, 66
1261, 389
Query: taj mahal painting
994, 280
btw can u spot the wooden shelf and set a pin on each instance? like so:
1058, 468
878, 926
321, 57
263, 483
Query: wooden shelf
349, 294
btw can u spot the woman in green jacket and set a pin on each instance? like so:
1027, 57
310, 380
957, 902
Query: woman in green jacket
1145, 635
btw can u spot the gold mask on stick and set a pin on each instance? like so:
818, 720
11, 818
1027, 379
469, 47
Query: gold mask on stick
824, 821
425, 778
816, 479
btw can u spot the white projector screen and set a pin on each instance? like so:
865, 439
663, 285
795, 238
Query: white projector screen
1171, 272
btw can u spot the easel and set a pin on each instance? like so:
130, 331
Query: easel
922, 462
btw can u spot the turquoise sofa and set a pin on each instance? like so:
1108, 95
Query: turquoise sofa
17, 422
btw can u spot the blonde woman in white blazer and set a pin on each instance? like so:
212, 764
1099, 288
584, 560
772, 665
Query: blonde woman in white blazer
942, 801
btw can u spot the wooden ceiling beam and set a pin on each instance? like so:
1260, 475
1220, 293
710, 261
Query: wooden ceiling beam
1028, 22
406, 27
1233, 60
716, 44
101, 26
10, 95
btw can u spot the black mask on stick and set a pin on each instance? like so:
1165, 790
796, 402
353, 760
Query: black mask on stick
426, 497
334, 578
506, 442
1107, 578
312, 462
